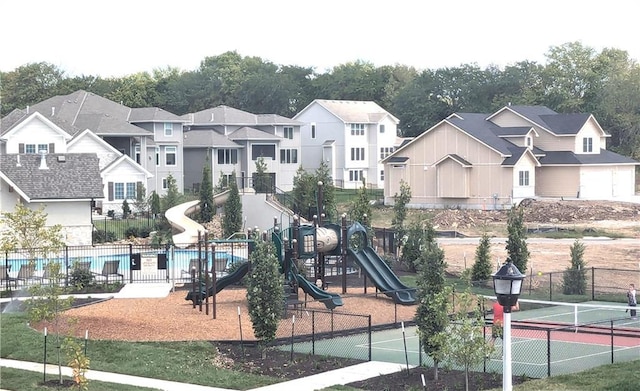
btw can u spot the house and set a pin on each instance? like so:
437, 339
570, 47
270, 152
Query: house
491, 161
233, 140
150, 136
66, 184
351, 137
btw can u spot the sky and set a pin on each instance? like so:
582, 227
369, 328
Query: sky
114, 38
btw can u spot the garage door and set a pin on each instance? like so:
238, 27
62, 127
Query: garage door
596, 183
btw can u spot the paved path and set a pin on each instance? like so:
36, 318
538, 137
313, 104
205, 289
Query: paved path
316, 382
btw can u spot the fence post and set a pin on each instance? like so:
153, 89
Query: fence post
370, 337
548, 353
550, 286
130, 255
313, 333
66, 265
611, 331
593, 286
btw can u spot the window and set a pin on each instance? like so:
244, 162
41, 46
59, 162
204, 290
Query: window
523, 178
168, 129
382, 175
30, 148
288, 156
43, 148
357, 129
118, 191
131, 191
288, 132
157, 156
381, 128
170, 156
265, 150
136, 148
357, 153
165, 184
227, 156
385, 151
529, 142
587, 144
355, 175
313, 130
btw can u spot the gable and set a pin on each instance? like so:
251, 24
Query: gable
89, 142
34, 130
125, 166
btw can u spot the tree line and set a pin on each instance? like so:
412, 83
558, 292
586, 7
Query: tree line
575, 78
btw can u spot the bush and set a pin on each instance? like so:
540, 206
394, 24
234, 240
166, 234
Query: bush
81, 278
102, 236
144, 232
132, 232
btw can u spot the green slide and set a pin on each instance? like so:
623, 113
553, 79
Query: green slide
382, 276
331, 300
223, 282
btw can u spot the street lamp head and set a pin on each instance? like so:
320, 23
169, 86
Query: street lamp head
507, 283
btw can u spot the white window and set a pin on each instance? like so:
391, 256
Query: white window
227, 156
288, 156
523, 178
529, 142
385, 151
288, 132
381, 128
131, 191
157, 156
168, 129
124, 190
356, 175
118, 191
170, 156
587, 144
43, 148
165, 184
357, 129
30, 148
136, 149
357, 153
382, 175
313, 130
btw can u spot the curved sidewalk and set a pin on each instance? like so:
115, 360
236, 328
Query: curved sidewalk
340, 376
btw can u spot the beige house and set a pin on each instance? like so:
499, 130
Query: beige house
491, 161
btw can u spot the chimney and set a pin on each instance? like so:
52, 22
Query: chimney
43, 160
211, 117
27, 109
53, 111
18, 164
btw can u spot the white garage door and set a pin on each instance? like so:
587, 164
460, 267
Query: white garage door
596, 183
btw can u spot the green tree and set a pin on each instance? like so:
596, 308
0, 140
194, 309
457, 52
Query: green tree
265, 296
154, 200
207, 207
232, 219
360, 208
323, 175
418, 236
47, 304
136, 90
261, 178
575, 277
464, 343
126, 209
304, 187
27, 229
400, 209
28, 84
431, 314
222, 185
141, 204
173, 196
516, 246
481, 270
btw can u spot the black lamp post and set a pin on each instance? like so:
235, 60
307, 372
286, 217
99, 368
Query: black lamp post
507, 283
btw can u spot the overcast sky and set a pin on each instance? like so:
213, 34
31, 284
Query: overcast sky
118, 37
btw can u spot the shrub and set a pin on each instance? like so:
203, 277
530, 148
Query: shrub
81, 278
132, 232
102, 236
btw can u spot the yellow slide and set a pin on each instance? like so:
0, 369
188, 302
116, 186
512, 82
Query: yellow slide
188, 229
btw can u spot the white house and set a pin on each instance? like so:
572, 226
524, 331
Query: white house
351, 137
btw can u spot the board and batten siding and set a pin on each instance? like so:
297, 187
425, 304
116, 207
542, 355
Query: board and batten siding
557, 181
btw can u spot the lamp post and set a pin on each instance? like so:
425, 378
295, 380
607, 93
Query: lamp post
507, 283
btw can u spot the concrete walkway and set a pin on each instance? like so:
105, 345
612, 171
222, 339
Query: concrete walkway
341, 376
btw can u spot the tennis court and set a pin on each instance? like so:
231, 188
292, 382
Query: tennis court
547, 339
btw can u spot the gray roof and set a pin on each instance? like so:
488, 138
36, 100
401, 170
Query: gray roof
225, 115
513, 131
152, 114
476, 125
557, 123
82, 110
570, 158
354, 111
207, 138
69, 175
247, 133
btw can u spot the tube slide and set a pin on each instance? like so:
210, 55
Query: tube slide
177, 217
383, 277
222, 282
330, 300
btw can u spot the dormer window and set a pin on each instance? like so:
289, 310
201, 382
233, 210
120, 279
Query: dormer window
168, 129
529, 142
587, 144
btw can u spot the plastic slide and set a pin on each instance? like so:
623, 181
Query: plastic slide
177, 217
330, 300
383, 277
222, 282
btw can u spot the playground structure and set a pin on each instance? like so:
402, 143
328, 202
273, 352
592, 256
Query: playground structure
189, 230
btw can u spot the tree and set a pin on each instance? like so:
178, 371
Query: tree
155, 203
261, 178
265, 296
400, 209
207, 207
323, 175
141, 204
464, 343
431, 314
415, 241
516, 246
575, 277
481, 270
28, 84
173, 196
47, 304
304, 186
232, 219
27, 229
361, 210
126, 209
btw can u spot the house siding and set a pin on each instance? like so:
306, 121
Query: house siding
557, 181
589, 130
545, 140
36, 132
